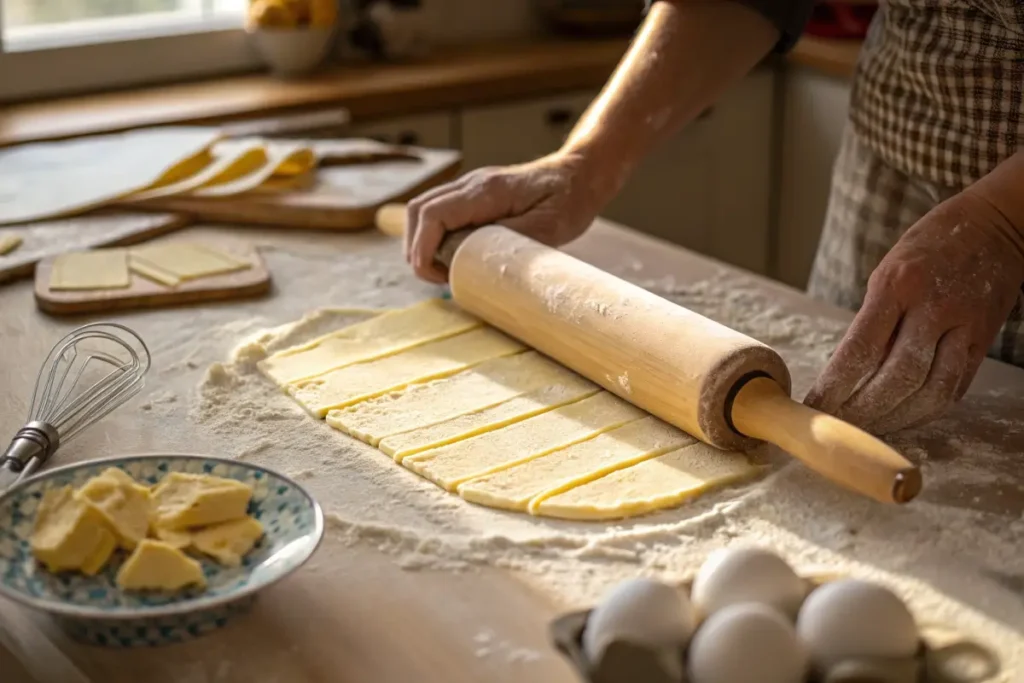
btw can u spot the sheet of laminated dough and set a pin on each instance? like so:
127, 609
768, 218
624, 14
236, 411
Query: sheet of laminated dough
283, 159
383, 335
656, 484
524, 486
9, 243
361, 381
423, 405
538, 401
184, 261
54, 179
451, 465
88, 270
226, 168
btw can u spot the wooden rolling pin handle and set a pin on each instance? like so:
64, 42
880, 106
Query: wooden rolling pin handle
836, 449
390, 220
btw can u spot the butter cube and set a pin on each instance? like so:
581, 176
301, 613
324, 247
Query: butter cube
188, 500
155, 565
100, 554
69, 534
228, 542
124, 504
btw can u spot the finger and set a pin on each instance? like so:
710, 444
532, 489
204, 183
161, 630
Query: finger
475, 203
975, 357
859, 354
903, 371
412, 209
939, 389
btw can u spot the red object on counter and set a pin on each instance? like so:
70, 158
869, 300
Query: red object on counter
841, 19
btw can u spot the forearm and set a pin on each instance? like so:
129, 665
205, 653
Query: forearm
685, 55
1003, 188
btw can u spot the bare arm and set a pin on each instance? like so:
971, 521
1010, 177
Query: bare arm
686, 55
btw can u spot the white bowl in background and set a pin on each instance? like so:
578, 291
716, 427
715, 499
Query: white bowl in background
290, 52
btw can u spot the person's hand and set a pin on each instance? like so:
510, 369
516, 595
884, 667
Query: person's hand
553, 200
933, 307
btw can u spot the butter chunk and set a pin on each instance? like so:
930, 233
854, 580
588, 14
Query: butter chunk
68, 533
228, 542
124, 504
181, 500
176, 538
97, 560
154, 565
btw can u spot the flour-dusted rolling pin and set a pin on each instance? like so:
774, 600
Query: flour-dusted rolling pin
716, 384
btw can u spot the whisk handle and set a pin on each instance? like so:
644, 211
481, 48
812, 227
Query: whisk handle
30, 448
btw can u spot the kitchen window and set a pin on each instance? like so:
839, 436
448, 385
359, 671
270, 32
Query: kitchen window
56, 47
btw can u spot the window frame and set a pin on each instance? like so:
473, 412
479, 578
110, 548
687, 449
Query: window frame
150, 55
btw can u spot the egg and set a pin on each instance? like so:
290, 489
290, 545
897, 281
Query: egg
746, 643
646, 613
747, 574
854, 619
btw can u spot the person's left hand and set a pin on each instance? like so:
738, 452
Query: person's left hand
933, 307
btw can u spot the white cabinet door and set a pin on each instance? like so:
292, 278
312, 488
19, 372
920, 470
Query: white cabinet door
709, 187
433, 129
815, 110
515, 132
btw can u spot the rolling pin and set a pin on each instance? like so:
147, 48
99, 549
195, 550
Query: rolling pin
718, 385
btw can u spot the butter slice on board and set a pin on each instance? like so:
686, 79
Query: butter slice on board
123, 503
186, 261
380, 336
90, 270
362, 381
399, 446
154, 565
523, 486
656, 484
492, 452
69, 534
184, 500
422, 405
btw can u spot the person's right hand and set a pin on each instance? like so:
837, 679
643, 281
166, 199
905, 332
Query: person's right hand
553, 200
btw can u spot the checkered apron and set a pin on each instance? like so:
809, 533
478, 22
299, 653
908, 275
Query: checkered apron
937, 103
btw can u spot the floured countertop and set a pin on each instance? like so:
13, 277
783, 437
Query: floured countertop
413, 583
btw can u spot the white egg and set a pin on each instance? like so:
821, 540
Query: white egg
852, 619
644, 612
748, 574
746, 643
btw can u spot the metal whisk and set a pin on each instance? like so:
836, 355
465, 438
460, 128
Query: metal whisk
89, 373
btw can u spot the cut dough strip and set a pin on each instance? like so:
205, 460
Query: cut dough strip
662, 482
240, 162
90, 270
375, 338
361, 381
9, 243
522, 487
422, 405
185, 261
491, 452
538, 401
150, 272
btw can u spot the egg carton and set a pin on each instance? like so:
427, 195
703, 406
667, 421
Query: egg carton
942, 656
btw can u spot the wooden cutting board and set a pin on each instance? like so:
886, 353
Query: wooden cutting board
354, 178
99, 229
144, 293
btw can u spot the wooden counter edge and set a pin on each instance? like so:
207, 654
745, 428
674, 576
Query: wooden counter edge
464, 76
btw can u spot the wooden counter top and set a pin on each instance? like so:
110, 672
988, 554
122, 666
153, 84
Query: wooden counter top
450, 78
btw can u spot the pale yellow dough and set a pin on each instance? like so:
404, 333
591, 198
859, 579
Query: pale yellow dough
362, 381
524, 486
90, 270
183, 261
449, 466
423, 405
9, 243
383, 335
663, 482
474, 411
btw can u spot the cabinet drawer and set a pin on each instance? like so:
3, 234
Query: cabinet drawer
433, 129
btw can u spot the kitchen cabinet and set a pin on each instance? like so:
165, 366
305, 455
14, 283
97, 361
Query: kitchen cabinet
707, 188
432, 129
815, 108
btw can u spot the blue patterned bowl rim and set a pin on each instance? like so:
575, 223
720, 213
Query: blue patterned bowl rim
192, 605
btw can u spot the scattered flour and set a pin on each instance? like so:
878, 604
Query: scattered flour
955, 553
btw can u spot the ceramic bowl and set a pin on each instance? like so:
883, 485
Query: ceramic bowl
292, 52
94, 610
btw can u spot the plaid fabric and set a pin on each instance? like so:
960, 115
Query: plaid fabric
870, 206
939, 93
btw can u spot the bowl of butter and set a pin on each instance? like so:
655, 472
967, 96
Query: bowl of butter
152, 549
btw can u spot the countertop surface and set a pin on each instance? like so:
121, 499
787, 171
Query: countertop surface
452, 77
413, 584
